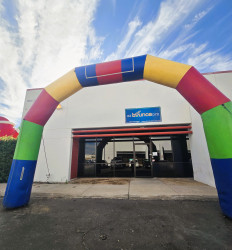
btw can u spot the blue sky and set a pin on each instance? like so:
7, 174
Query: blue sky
43, 39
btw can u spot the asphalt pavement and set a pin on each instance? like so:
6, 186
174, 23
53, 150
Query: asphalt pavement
73, 223
117, 213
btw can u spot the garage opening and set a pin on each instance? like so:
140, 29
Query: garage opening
132, 152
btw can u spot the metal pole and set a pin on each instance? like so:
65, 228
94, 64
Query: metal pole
114, 156
95, 158
152, 172
134, 158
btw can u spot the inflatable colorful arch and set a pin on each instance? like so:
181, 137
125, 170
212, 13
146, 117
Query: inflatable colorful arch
215, 109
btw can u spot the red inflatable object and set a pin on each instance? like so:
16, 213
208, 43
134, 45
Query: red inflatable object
7, 128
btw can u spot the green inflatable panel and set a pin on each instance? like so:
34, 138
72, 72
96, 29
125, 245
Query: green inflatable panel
217, 123
29, 139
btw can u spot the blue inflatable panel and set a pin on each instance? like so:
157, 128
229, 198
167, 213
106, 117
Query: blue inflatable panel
222, 169
19, 183
132, 68
86, 75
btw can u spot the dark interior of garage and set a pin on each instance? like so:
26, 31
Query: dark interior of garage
107, 156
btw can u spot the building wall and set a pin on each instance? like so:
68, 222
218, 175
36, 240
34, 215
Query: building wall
104, 106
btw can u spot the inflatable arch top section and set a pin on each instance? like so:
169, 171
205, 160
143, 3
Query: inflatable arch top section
214, 108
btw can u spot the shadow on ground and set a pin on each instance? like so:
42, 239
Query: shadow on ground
115, 224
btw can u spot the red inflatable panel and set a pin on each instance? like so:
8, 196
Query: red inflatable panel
199, 92
42, 109
109, 72
7, 128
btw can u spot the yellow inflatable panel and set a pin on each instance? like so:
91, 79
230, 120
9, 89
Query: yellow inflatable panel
163, 71
64, 87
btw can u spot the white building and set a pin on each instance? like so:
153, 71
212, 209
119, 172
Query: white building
102, 108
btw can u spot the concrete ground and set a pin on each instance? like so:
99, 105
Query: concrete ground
119, 188
140, 214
